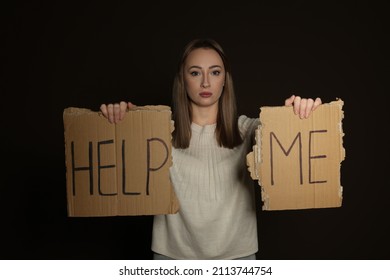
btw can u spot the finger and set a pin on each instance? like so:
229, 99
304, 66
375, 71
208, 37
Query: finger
122, 109
302, 108
289, 101
110, 111
117, 110
309, 107
317, 103
103, 109
130, 105
297, 104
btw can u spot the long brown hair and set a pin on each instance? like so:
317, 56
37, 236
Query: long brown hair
227, 132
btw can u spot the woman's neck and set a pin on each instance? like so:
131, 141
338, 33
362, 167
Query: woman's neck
204, 115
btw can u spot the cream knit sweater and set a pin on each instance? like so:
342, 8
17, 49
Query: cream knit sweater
217, 216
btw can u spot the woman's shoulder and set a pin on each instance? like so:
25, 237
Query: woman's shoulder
247, 124
245, 121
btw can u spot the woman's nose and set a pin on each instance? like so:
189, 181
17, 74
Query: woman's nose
205, 82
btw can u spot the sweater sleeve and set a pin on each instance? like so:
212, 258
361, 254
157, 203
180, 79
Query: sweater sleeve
247, 127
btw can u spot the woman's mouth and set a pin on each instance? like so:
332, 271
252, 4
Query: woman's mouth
205, 94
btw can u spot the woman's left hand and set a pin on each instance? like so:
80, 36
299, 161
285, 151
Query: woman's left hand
302, 106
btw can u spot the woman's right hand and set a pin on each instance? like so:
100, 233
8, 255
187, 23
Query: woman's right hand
115, 112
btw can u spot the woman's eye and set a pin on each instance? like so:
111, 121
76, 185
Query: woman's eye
194, 73
216, 73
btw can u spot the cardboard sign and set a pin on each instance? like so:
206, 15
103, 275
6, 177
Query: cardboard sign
121, 169
297, 161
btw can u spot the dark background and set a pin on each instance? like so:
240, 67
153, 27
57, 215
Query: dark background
56, 55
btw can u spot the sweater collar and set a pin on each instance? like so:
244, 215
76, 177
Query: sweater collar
209, 128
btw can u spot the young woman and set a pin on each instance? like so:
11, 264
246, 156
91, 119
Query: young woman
217, 216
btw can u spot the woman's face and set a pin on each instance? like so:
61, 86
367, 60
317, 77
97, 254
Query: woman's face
204, 77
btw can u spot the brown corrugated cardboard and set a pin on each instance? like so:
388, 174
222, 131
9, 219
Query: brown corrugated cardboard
298, 161
121, 169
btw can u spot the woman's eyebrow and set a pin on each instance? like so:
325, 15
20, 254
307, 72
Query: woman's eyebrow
212, 66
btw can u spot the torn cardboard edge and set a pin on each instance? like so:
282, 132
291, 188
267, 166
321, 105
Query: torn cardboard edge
297, 162
119, 169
